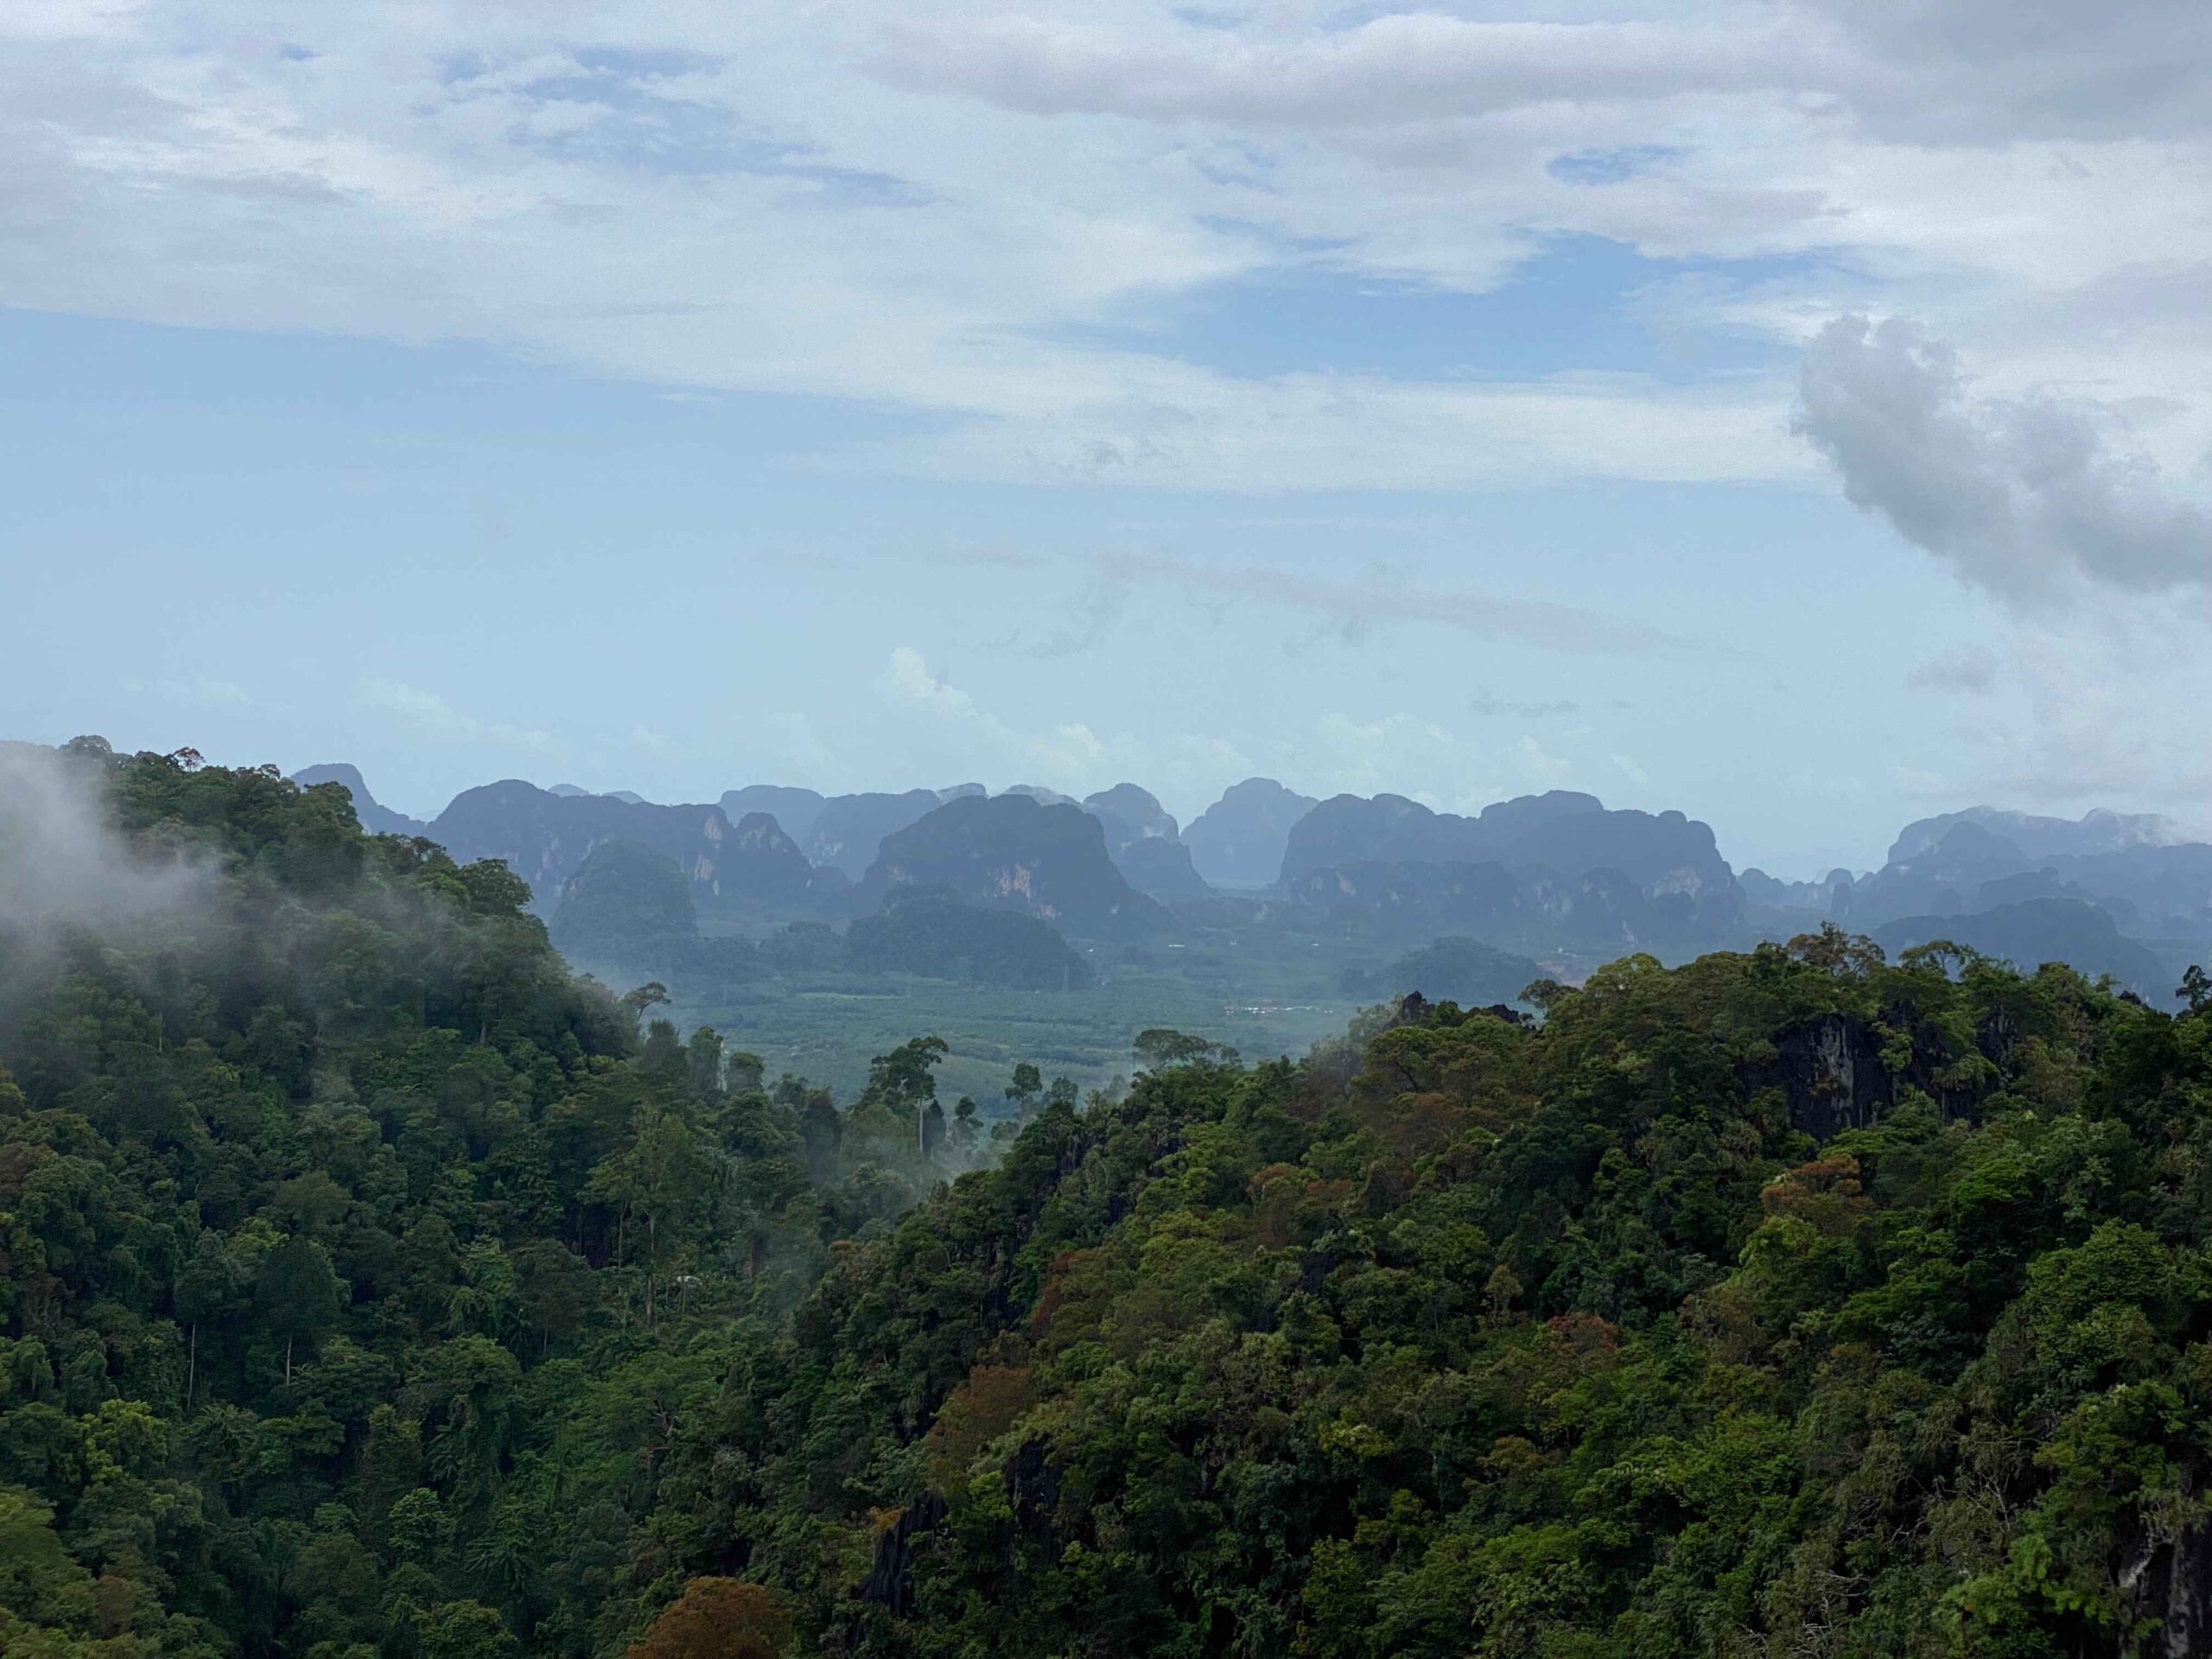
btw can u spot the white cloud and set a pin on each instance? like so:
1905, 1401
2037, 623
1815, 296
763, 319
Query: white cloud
424, 708
1539, 769
1068, 756
1408, 754
792, 742
2023, 497
949, 732
1976, 69
1388, 71
428, 712
716, 198
1401, 754
2064, 727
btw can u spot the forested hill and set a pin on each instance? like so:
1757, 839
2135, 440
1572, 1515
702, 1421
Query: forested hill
368, 1287
1783, 1303
356, 1261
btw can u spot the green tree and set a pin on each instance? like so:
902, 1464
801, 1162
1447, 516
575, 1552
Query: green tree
297, 1295
1159, 1047
467, 1630
660, 1186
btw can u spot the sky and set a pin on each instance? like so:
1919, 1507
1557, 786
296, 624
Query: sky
1794, 414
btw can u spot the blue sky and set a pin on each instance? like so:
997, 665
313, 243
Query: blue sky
1661, 403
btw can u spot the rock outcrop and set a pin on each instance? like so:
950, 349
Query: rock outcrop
1239, 841
1013, 853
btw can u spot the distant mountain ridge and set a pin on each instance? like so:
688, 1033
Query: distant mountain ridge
1142, 839
545, 838
793, 809
1595, 909
2036, 931
1965, 864
1011, 852
1627, 876
1240, 840
1559, 865
848, 830
376, 819
1563, 830
2097, 831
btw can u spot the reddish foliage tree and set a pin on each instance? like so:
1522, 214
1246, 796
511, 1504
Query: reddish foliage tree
719, 1618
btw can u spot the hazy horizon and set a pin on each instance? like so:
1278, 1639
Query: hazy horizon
1789, 414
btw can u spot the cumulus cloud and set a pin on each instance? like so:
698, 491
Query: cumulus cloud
2083, 741
2022, 496
2041, 67
715, 198
1388, 71
1951, 69
946, 729
1070, 755
1540, 770
1413, 755
788, 739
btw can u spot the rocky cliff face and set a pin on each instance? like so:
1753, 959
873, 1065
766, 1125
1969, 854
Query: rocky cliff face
1594, 909
1010, 852
1142, 841
793, 809
2135, 867
1564, 832
838, 832
545, 838
762, 863
1161, 869
1942, 877
2037, 837
2170, 1580
1239, 841
1130, 814
1835, 1071
849, 831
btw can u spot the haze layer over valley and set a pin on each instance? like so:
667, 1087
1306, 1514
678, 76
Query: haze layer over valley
1268, 922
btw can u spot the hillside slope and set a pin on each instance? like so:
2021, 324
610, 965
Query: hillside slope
1784, 1302
369, 1286
1013, 852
